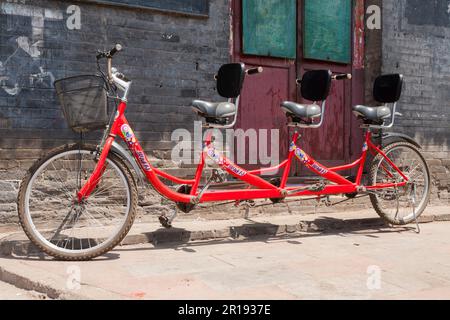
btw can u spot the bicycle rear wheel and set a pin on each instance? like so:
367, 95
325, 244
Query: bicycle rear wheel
57, 223
400, 206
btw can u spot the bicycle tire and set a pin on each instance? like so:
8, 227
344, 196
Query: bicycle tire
31, 232
372, 181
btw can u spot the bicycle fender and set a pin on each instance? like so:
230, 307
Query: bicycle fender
402, 136
122, 152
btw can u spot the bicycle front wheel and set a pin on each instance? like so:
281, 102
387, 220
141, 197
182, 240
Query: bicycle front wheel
400, 206
56, 222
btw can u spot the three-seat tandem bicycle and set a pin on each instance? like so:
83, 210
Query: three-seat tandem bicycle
80, 200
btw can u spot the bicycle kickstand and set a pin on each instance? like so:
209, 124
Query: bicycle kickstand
413, 201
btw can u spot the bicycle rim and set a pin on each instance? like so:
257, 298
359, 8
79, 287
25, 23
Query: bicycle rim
401, 205
59, 221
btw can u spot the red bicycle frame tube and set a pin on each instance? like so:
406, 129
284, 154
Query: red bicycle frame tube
261, 188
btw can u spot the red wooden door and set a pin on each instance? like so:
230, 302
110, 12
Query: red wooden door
339, 140
262, 94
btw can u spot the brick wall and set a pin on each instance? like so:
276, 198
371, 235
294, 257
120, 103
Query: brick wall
373, 61
170, 58
416, 42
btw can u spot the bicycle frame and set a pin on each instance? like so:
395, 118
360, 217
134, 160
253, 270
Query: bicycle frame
261, 188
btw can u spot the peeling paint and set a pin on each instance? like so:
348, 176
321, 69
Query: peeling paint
10, 83
32, 50
358, 46
11, 73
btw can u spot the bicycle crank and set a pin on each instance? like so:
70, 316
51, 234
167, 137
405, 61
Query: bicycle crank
184, 207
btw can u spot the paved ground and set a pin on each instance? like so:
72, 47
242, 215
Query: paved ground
358, 264
9, 292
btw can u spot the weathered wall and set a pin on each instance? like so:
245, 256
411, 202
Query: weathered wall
170, 58
416, 42
373, 61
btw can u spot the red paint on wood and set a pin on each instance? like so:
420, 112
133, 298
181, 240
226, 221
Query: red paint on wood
340, 139
329, 144
358, 37
263, 93
260, 107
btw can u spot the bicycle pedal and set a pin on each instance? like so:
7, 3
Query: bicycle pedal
165, 222
325, 200
245, 203
251, 203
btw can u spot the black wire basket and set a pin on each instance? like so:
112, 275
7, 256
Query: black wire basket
84, 101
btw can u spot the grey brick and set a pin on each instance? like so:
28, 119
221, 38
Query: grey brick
7, 197
7, 186
161, 54
421, 54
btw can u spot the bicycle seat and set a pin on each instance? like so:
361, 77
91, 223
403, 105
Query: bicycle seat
372, 115
301, 111
386, 89
214, 110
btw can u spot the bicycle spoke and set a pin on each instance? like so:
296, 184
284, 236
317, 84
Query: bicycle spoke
85, 225
397, 203
62, 184
63, 223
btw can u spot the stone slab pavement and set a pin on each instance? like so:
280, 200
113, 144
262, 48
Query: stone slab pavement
10, 292
13, 240
368, 262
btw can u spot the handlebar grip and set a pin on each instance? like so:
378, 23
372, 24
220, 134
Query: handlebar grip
100, 55
110, 53
254, 70
343, 76
116, 49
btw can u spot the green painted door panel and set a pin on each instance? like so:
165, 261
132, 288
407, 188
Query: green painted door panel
270, 28
327, 30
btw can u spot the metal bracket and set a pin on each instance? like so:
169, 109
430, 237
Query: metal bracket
313, 188
217, 176
361, 189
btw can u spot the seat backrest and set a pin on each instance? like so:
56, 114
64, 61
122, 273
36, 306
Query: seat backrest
230, 79
388, 88
315, 85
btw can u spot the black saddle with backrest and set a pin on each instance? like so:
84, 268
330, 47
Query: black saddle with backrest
315, 87
386, 89
230, 79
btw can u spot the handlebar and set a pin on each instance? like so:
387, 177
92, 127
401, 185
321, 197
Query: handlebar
253, 71
116, 49
343, 76
109, 54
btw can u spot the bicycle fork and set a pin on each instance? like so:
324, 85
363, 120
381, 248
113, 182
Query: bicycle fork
100, 168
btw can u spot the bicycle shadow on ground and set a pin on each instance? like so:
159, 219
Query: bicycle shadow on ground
253, 231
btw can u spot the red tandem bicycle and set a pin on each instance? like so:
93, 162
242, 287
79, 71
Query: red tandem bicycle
80, 200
